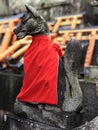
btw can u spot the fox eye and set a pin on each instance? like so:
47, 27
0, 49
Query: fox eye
31, 24
22, 17
26, 17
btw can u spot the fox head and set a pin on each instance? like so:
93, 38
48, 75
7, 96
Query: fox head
32, 23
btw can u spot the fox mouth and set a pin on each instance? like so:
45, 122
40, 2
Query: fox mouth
20, 35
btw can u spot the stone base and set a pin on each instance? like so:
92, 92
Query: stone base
57, 120
13, 122
63, 120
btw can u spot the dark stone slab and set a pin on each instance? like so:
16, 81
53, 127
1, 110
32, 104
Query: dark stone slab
92, 125
10, 84
90, 101
15, 123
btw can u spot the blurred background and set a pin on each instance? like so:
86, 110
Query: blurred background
49, 8
63, 16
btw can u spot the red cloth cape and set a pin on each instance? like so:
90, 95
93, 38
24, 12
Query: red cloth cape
41, 61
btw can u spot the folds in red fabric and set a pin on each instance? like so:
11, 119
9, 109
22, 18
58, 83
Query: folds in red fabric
41, 62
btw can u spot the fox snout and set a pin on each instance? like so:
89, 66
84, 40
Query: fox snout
17, 29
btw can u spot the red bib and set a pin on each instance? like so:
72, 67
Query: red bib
41, 62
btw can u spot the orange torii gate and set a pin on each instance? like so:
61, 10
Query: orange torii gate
6, 28
7, 25
64, 35
71, 21
15, 49
88, 34
65, 23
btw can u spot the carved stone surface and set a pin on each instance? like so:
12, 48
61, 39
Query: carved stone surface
15, 123
69, 91
85, 119
69, 95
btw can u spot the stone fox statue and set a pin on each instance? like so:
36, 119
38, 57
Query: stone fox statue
50, 85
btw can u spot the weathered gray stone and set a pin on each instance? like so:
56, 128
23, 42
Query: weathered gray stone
72, 120
91, 72
92, 125
61, 119
15, 123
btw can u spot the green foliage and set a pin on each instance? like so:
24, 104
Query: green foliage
89, 79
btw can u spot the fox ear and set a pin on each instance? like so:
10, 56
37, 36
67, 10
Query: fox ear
32, 10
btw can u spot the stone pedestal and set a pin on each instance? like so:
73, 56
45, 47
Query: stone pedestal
69, 120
